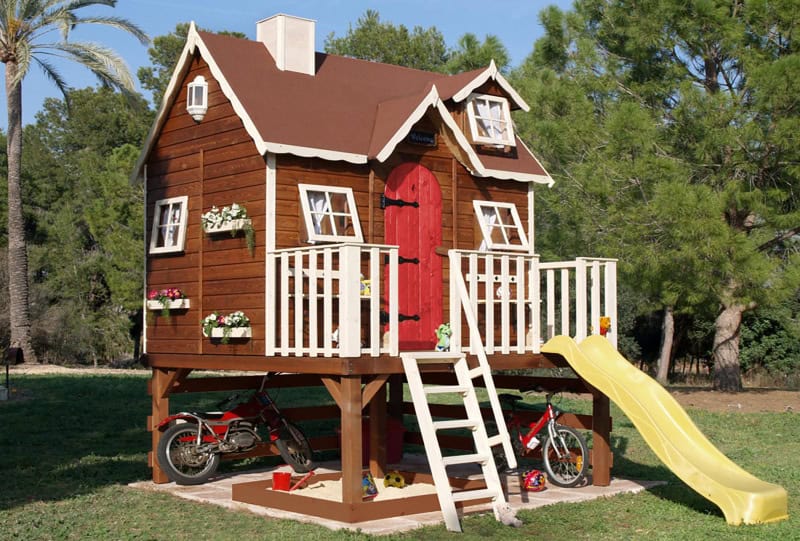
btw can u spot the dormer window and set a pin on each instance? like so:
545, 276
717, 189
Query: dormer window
330, 214
197, 98
500, 226
490, 120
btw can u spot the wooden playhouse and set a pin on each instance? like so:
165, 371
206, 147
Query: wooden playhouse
380, 203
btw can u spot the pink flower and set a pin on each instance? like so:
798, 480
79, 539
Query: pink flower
152, 295
221, 319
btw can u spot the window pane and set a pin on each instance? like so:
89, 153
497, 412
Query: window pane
175, 217
198, 95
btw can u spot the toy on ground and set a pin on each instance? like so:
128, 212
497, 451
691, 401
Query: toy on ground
443, 334
368, 488
394, 479
534, 481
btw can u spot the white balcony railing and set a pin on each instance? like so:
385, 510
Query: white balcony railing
317, 302
514, 298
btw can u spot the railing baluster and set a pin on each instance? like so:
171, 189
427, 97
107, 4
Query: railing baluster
595, 292
313, 300
611, 299
519, 263
299, 273
505, 299
327, 303
375, 301
551, 303
284, 320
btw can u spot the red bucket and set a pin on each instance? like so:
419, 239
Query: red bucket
281, 480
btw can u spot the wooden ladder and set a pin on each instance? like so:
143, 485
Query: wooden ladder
474, 422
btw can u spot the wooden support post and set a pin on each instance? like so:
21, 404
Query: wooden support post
160, 384
351, 439
601, 440
396, 396
378, 435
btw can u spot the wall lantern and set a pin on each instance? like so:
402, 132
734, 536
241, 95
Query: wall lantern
197, 98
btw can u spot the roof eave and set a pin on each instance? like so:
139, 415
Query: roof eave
494, 74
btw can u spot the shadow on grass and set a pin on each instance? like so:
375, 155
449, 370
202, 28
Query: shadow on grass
675, 490
71, 435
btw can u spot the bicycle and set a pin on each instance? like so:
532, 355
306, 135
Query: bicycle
564, 452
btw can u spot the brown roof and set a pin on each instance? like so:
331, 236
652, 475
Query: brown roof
350, 109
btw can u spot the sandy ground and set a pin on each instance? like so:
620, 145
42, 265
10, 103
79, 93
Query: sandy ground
751, 400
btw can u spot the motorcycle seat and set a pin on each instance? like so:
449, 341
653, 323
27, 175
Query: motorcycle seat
211, 415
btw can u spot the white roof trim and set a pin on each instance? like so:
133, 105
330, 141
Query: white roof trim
491, 73
161, 116
310, 152
432, 98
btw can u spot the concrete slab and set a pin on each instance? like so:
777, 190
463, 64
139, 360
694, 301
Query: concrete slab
218, 492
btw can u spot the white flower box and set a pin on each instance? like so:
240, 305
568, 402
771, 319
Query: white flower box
177, 304
235, 332
232, 225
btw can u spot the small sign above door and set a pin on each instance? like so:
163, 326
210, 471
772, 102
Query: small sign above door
424, 138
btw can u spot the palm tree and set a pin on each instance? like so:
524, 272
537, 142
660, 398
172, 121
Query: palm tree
26, 27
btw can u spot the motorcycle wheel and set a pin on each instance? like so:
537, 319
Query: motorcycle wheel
180, 458
294, 448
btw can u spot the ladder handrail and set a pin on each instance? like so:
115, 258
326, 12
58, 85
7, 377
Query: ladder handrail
483, 361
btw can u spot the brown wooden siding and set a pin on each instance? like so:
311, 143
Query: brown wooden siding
214, 162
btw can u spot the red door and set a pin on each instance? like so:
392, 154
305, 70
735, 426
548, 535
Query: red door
413, 221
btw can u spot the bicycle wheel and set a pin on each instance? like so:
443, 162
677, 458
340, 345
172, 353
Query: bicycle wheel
566, 457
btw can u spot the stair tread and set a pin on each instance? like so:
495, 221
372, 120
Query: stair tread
475, 458
440, 389
476, 494
455, 423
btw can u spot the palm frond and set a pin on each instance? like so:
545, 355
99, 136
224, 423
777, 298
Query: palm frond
119, 23
23, 62
109, 68
54, 76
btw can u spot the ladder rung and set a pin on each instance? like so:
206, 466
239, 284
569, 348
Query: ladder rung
458, 423
476, 372
497, 439
433, 357
439, 389
464, 459
478, 494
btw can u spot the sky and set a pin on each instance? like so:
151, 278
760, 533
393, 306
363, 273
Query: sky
515, 22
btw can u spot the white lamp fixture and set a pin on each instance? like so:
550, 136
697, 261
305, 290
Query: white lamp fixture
197, 98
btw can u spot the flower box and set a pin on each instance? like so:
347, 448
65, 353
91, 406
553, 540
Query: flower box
234, 332
177, 304
230, 226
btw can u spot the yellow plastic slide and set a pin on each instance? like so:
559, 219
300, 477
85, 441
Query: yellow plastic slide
671, 434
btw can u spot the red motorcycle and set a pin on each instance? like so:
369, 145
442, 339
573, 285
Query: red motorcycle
189, 450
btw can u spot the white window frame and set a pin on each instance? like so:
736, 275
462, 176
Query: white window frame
313, 227
178, 226
475, 118
488, 227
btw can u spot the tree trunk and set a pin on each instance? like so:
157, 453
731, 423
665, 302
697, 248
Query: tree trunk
667, 338
19, 315
727, 376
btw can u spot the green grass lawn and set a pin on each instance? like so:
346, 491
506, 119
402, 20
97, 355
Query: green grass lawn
68, 452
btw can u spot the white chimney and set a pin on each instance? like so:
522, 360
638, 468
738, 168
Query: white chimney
290, 41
